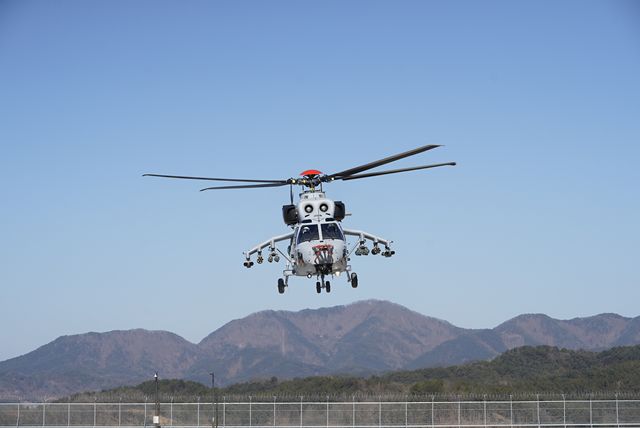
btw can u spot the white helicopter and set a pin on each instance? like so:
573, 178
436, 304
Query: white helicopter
317, 243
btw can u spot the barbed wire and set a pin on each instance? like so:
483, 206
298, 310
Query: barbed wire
99, 397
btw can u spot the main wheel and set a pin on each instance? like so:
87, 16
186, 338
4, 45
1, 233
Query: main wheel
354, 280
327, 286
318, 287
281, 286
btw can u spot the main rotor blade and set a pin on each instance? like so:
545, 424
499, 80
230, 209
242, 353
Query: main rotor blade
357, 169
393, 171
250, 186
242, 180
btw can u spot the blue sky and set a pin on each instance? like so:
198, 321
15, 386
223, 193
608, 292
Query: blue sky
538, 102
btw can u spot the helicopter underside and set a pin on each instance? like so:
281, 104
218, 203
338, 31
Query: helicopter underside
322, 272
319, 258
311, 270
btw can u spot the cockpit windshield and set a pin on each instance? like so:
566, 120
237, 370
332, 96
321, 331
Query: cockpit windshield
331, 231
308, 232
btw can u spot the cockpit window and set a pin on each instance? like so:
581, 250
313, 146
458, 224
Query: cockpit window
331, 231
308, 233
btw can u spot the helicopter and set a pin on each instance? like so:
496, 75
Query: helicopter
317, 243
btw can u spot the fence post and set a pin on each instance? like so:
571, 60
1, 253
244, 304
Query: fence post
511, 409
590, 412
120, 411
274, 410
145, 411
406, 413
249, 410
432, 412
224, 411
538, 408
564, 411
379, 411
18, 417
617, 414
95, 400
198, 420
484, 400
459, 412
353, 411
301, 411
327, 411
68, 414
171, 413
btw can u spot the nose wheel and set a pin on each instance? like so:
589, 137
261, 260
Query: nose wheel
323, 284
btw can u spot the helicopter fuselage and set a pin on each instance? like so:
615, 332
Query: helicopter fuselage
317, 245
325, 255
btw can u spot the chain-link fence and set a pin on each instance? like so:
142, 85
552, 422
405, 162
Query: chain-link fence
357, 414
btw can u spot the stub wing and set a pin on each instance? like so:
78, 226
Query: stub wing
362, 250
364, 235
271, 243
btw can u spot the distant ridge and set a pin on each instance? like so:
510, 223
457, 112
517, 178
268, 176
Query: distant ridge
361, 338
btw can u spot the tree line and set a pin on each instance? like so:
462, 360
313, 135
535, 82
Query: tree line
521, 371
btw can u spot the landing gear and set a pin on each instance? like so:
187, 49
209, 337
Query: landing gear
323, 284
354, 280
281, 285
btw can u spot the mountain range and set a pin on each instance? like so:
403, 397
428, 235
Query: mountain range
361, 338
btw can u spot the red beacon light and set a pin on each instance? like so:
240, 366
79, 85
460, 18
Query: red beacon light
311, 173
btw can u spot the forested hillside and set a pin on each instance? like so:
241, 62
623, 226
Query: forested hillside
541, 369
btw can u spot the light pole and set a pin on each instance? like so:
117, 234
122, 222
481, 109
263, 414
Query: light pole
214, 403
156, 417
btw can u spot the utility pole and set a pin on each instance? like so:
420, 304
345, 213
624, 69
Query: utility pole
156, 416
214, 402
